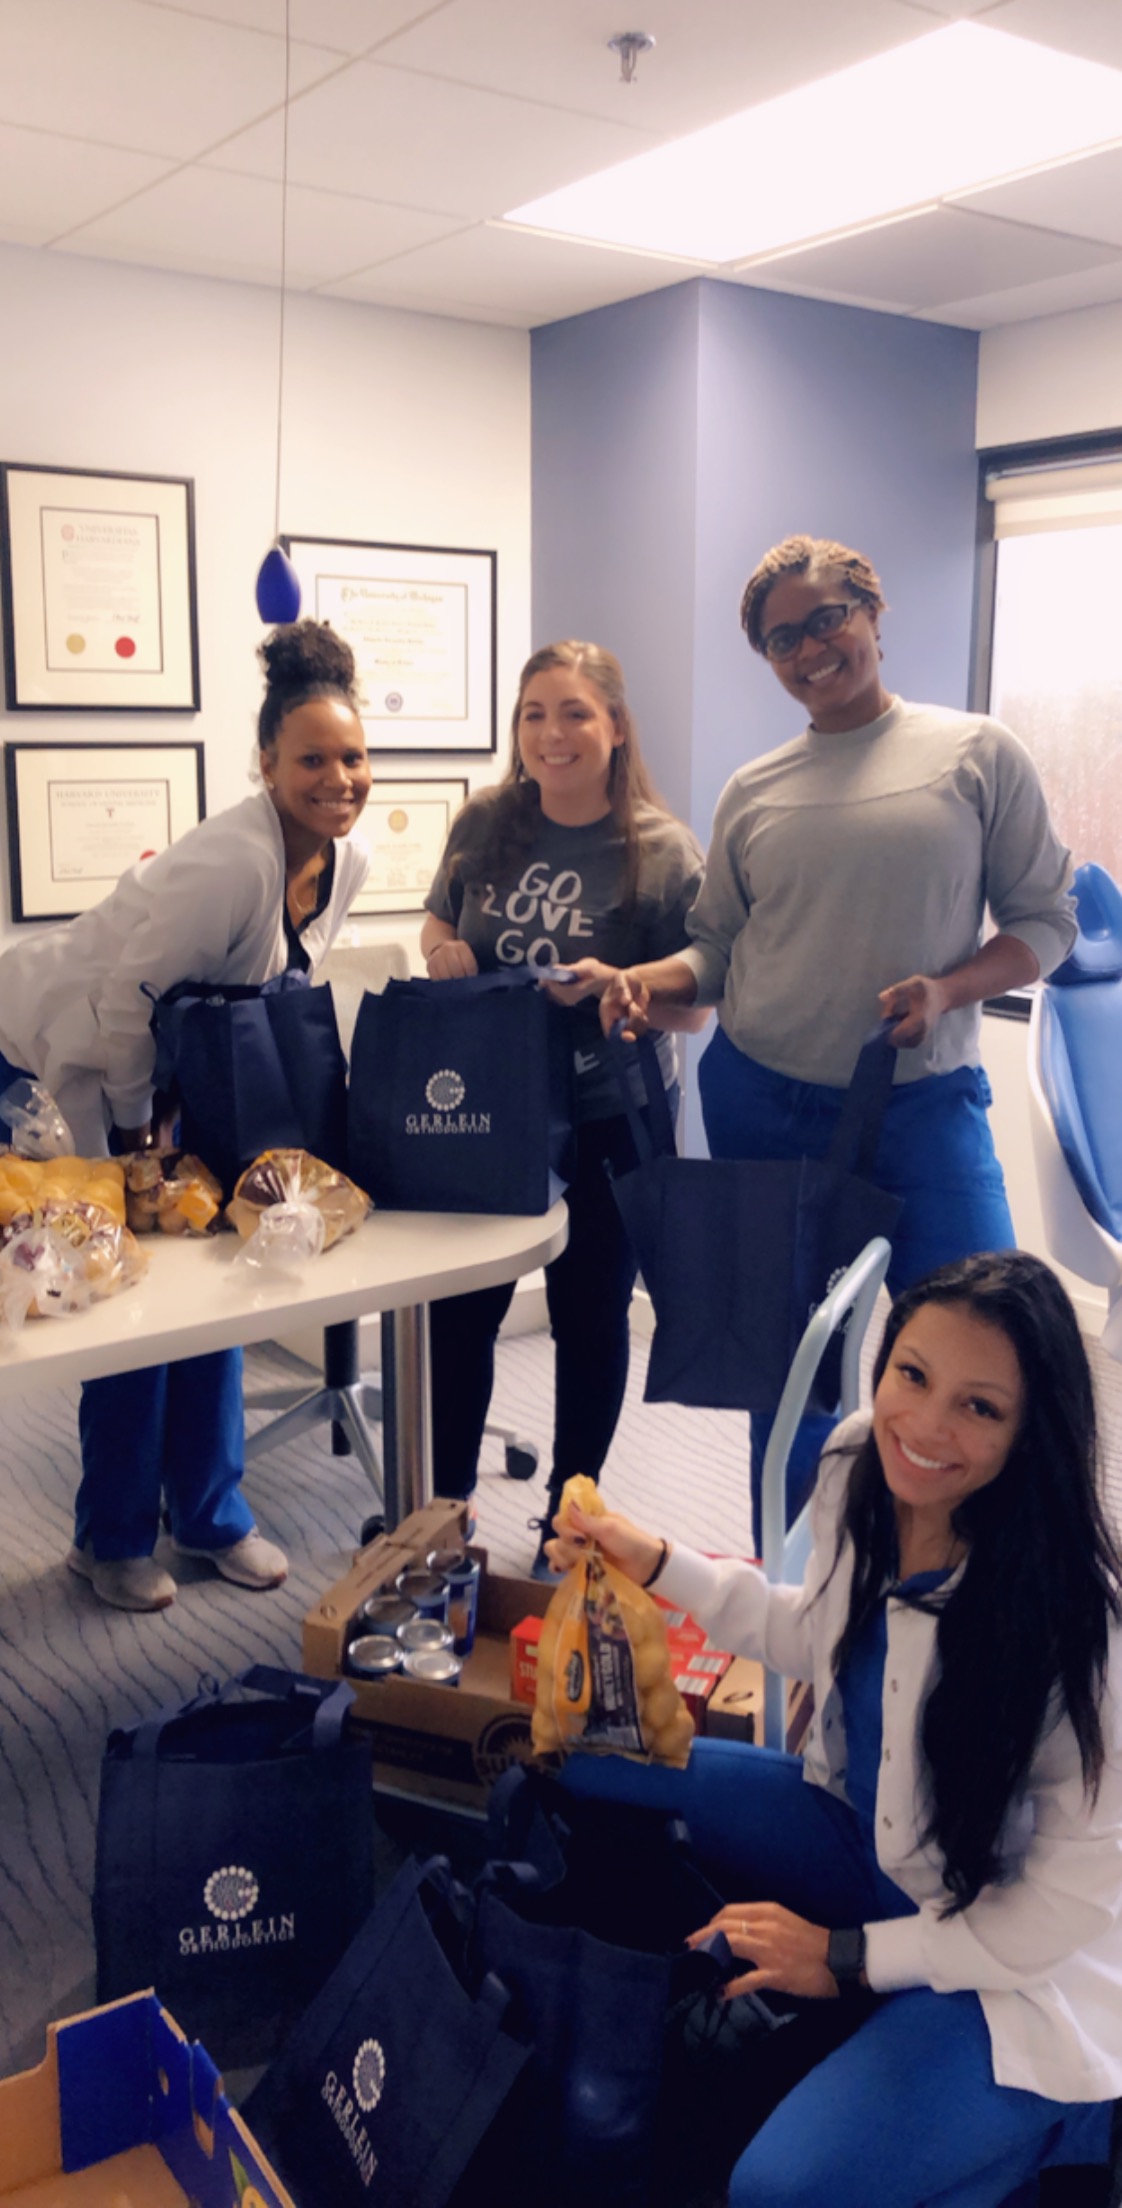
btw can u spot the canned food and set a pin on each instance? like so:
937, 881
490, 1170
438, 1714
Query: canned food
446, 1561
423, 1633
374, 1656
462, 1574
385, 1611
426, 1590
437, 1667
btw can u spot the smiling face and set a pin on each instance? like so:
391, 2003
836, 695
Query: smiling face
836, 679
947, 1410
317, 772
566, 740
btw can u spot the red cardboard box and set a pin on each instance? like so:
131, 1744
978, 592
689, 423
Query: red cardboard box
524, 1642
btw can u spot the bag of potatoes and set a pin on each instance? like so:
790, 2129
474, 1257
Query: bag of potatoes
604, 1679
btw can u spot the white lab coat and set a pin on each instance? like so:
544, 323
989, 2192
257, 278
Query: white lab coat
209, 908
1043, 1953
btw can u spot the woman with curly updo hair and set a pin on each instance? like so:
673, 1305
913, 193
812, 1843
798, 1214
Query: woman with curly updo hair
241, 898
848, 880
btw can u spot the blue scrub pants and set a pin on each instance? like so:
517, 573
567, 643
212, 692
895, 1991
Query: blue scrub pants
907, 2113
936, 1151
175, 1432
171, 1431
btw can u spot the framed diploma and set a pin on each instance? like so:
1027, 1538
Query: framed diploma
79, 814
97, 587
420, 621
406, 827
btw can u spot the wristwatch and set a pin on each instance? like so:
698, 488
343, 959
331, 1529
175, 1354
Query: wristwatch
845, 1958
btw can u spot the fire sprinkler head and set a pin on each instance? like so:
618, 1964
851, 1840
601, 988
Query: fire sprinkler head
629, 45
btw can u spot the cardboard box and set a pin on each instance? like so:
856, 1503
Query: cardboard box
524, 1642
735, 1710
123, 2113
447, 1744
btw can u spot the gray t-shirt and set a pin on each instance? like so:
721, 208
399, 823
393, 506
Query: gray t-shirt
840, 864
562, 902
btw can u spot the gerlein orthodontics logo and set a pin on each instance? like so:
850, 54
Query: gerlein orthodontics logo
445, 1091
231, 1894
368, 2078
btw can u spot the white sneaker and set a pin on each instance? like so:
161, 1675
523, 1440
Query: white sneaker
250, 1562
125, 1582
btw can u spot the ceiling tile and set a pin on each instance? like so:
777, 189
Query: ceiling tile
144, 78
1083, 198
709, 60
1094, 287
928, 258
386, 134
958, 11
495, 272
49, 183
212, 224
1089, 27
350, 26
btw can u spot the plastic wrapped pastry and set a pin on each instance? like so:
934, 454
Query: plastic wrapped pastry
604, 1677
302, 1190
170, 1192
62, 1256
26, 1185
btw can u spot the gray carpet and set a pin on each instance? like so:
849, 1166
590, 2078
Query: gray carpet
70, 1669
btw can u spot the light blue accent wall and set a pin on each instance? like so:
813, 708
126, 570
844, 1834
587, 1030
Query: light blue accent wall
676, 437
614, 410
832, 422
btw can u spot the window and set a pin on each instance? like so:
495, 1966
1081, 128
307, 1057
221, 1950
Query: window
1055, 647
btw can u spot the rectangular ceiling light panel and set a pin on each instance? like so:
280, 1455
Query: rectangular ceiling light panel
959, 108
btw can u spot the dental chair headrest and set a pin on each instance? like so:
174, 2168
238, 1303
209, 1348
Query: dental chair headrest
1097, 953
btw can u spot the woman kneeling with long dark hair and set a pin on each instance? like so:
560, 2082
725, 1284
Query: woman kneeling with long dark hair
958, 1851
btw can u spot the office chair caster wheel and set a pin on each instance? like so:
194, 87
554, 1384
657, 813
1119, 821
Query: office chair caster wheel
372, 1529
521, 1460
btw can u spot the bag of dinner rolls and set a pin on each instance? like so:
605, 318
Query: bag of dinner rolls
170, 1192
604, 1678
288, 1206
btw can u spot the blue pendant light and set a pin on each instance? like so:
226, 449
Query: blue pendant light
278, 584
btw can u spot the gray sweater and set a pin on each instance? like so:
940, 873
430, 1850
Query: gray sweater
840, 864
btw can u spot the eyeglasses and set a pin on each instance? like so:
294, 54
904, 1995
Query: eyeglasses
783, 642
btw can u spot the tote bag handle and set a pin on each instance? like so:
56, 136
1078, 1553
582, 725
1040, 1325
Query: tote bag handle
661, 1142
327, 1710
853, 1147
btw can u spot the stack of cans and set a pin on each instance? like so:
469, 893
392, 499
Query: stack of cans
423, 1626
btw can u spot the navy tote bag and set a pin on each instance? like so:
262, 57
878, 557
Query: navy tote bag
252, 1068
389, 2082
583, 1915
235, 1856
736, 1254
461, 1095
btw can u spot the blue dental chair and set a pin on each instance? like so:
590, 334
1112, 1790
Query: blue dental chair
1075, 1091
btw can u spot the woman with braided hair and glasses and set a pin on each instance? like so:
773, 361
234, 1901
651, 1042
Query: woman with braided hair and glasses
848, 879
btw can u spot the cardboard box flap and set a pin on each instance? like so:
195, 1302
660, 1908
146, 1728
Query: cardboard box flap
120, 2082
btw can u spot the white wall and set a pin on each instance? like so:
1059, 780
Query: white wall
1054, 377
398, 427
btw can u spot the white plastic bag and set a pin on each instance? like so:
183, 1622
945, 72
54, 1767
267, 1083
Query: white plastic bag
38, 1127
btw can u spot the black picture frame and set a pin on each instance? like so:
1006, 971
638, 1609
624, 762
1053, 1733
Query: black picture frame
446, 703
69, 537
57, 822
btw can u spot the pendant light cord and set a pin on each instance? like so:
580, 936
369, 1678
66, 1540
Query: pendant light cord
284, 257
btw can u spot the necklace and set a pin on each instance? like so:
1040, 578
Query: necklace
303, 912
